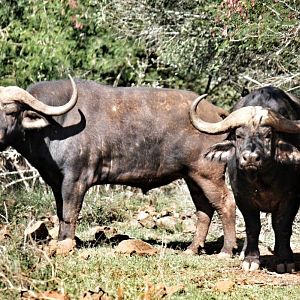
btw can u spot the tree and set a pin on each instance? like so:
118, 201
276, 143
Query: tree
49, 39
229, 41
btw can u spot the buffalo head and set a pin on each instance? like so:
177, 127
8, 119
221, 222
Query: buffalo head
258, 136
20, 110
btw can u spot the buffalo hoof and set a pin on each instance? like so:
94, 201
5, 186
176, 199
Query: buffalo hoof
252, 265
291, 268
285, 268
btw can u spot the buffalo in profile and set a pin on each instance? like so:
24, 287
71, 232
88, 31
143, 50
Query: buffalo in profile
82, 134
262, 153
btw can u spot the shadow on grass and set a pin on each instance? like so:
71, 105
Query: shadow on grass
269, 262
101, 240
213, 247
210, 248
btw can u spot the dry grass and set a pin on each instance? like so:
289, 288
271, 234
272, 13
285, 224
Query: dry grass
26, 269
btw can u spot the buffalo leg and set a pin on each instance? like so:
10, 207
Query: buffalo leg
223, 201
253, 226
68, 203
207, 198
226, 210
204, 213
282, 222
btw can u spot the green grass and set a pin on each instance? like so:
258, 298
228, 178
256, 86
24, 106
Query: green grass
25, 266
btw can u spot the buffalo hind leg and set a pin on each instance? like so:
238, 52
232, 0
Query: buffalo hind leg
207, 198
204, 213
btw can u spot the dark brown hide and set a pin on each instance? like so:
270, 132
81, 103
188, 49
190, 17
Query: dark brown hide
264, 171
140, 137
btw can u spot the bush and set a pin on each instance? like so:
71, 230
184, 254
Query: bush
218, 46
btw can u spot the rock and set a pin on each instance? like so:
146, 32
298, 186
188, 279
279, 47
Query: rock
160, 291
102, 233
224, 286
189, 214
150, 209
85, 255
188, 225
63, 247
138, 247
109, 231
168, 223
189, 252
164, 213
146, 219
118, 238
142, 215
66, 246
135, 223
50, 249
176, 215
148, 222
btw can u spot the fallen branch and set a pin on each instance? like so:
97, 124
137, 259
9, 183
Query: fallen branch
21, 180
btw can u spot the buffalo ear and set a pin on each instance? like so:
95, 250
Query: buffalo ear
33, 120
221, 152
287, 153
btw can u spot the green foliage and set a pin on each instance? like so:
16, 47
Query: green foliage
222, 40
18, 206
49, 39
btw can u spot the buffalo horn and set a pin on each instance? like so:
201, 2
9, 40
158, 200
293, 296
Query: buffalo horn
282, 124
12, 94
245, 116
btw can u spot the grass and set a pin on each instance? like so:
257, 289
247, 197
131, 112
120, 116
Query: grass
24, 266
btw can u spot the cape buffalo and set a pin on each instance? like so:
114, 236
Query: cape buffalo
262, 153
139, 137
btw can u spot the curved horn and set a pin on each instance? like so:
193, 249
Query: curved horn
15, 94
245, 116
281, 124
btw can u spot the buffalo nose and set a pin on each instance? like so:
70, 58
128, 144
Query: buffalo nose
250, 157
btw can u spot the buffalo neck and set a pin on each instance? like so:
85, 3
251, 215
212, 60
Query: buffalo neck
34, 146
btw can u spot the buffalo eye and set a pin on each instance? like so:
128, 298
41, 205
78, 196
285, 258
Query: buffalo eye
239, 136
268, 135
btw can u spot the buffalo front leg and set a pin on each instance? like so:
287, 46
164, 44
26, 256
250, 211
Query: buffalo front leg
252, 222
68, 203
282, 222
